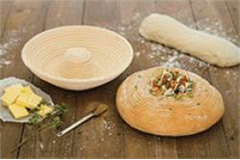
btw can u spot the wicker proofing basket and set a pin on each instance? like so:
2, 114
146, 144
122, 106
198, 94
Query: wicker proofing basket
77, 57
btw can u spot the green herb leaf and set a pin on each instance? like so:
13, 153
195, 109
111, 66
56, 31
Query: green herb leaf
59, 111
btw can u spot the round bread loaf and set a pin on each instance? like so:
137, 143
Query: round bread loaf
184, 111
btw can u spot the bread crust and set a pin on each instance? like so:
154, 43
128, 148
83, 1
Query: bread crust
168, 116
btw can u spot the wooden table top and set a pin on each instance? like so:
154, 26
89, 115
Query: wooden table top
109, 136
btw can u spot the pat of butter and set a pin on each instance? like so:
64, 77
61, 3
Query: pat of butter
9, 98
44, 110
14, 88
18, 111
11, 94
27, 89
28, 100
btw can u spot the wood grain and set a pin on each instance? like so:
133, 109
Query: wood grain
109, 136
196, 145
132, 13
101, 137
234, 9
222, 79
20, 19
58, 15
5, 7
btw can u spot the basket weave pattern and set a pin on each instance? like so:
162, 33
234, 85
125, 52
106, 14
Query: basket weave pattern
46, 55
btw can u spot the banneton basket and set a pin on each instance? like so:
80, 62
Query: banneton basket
77, 57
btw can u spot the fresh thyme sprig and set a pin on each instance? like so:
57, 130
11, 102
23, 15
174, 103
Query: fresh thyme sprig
59, 111
38, 124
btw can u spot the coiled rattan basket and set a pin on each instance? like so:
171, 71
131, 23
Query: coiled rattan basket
77, 57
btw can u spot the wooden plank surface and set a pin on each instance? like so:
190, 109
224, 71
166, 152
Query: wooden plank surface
5, 7
101, 137
132, 14
18, 29
223, 79
109, 136
234, 10
197, 145
58, 13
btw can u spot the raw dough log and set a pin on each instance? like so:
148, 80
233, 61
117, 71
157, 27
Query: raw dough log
209, 48
168, 116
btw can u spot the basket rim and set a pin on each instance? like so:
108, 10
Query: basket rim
38, 71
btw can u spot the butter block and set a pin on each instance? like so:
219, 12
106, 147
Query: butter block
44, 110
18, 111
27, 89
11, 94
8, 98
14, 88
29, 100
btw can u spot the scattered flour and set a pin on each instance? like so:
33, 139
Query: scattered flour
159, 54
4, 62
82, 148
137, 54
107, 125
167, 57
12, 40
5, 48
215, 27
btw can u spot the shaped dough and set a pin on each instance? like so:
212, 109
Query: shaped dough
168, 116
209, 48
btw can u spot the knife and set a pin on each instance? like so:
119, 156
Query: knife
96, 112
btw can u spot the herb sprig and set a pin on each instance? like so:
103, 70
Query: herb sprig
37, 124
59, 111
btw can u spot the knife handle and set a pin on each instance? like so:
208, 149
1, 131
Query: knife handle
74, 125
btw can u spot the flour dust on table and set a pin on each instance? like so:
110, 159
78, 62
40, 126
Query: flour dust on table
11, 41
172, 57
207, 47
